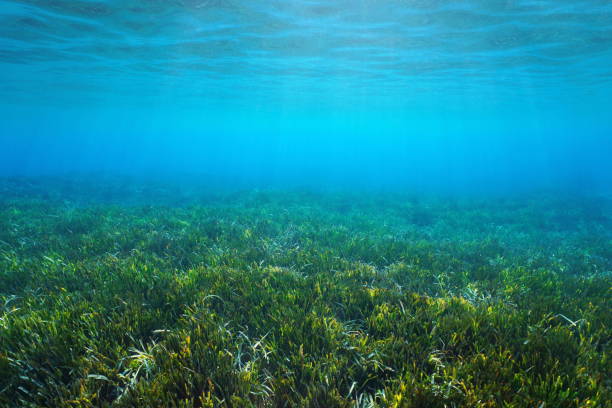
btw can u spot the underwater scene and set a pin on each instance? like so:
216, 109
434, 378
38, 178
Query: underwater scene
306, 203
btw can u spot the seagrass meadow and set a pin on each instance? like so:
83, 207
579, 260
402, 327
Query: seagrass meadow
114, 295
305, 203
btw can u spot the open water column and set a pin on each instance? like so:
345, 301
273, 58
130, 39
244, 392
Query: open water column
304, 203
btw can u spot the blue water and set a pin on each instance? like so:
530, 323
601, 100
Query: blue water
430, 94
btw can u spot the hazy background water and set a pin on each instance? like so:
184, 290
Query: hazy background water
446, 95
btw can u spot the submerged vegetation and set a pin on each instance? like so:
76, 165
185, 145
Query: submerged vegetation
147, 297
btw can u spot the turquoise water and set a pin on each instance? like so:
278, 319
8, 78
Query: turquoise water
446, 95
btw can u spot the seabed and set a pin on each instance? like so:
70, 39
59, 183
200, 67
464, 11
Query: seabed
113, 294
